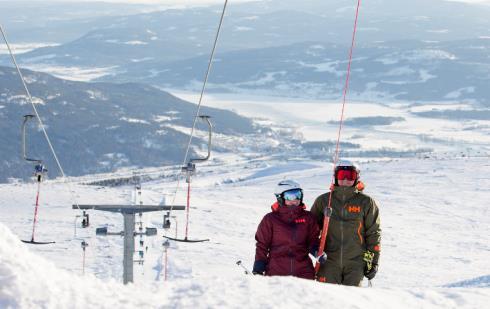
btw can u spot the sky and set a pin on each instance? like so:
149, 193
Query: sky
201, 2
169, 2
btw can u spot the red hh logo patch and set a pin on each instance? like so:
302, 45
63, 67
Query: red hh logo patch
354, 209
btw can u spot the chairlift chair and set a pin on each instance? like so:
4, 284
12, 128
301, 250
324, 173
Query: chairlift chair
190, 170
39, 171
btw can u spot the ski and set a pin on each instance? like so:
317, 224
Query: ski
323, 239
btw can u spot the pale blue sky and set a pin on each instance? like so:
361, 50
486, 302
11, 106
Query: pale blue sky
194, 2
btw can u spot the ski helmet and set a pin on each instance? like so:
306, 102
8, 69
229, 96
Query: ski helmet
287, 185
346, 165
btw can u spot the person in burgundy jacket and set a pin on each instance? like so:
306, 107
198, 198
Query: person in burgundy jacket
286, 236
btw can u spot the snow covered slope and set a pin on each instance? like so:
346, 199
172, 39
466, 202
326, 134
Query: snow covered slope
435, 220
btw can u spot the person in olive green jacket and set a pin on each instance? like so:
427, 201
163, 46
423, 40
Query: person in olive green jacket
354, 234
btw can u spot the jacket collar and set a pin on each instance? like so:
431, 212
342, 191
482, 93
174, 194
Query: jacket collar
344, 193
288, 214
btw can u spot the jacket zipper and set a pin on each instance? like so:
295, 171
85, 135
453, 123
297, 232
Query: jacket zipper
291, 252
342, 235
341, 243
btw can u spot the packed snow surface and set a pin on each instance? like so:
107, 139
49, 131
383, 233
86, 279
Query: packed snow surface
435, 253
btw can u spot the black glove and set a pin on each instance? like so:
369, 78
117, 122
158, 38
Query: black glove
371, 272
259, 268
322, 259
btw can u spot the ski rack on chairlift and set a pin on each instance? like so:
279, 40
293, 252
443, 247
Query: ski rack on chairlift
190, 169
39, 171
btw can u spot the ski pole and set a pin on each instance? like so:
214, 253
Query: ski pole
239, 263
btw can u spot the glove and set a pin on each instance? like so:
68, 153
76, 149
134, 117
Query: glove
322, 259
319, 259
370, 273
259, 268
371, 265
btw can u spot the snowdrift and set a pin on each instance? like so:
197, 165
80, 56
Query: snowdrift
28, 281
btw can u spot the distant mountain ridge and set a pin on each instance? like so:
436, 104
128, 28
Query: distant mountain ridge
405, 71
418, 50
168, 34
98, 127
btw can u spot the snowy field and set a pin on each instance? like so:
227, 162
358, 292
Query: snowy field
435, 221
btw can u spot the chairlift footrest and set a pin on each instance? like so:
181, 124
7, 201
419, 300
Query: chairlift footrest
32, 242
185, 239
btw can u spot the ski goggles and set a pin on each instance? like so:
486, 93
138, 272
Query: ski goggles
292, 195
346, 175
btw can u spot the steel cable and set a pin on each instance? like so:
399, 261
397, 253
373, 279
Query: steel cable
41, 124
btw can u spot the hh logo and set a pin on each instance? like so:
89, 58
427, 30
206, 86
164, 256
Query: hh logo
354, 209
300, 220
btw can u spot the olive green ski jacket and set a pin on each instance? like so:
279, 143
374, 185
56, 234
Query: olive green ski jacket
354, 225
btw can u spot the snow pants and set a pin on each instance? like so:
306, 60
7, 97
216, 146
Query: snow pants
351, 273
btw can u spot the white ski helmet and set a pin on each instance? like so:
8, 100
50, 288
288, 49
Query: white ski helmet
286, 185
347, 165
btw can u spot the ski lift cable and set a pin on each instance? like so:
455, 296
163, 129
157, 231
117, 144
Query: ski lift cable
346, 88
210, 64
337, 147
41, 124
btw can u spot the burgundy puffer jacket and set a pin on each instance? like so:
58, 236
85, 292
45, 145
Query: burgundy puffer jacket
284, 238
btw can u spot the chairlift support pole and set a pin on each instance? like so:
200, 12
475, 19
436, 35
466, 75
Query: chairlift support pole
75, 226
128, 212
84, 245
166, 245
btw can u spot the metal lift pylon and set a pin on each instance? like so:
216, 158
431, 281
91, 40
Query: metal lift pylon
128, 212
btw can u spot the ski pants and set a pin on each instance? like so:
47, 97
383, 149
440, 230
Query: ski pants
351, 273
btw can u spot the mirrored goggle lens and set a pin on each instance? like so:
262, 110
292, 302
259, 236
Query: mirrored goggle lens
346, 175
293, 195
